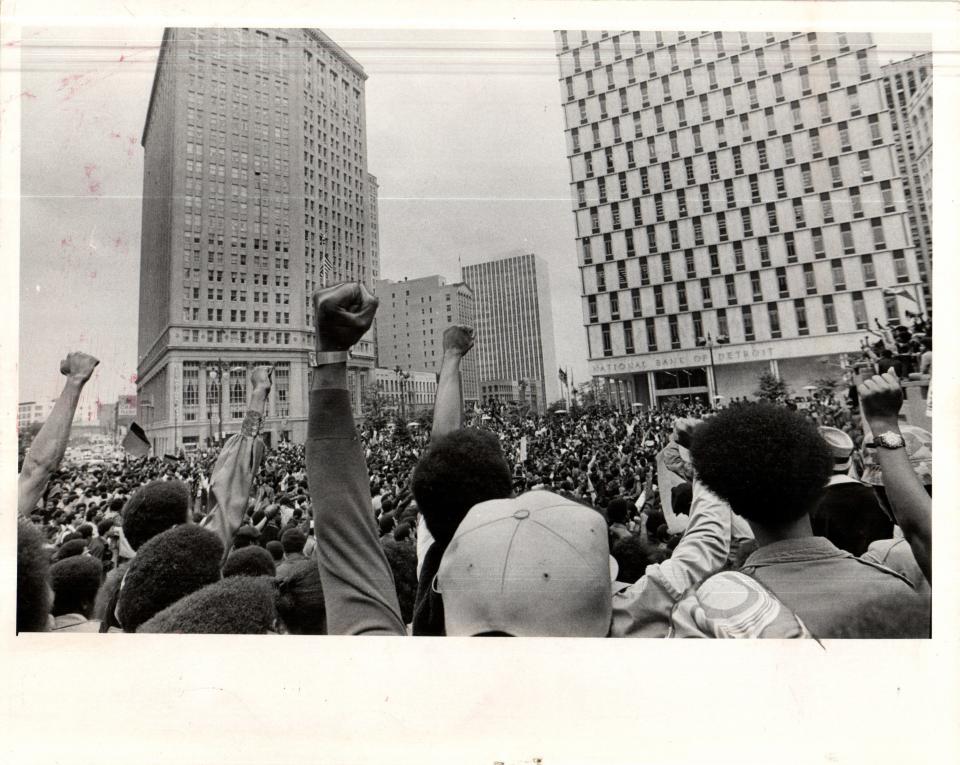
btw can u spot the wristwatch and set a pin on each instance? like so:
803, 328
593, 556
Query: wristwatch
322, 358
889, 440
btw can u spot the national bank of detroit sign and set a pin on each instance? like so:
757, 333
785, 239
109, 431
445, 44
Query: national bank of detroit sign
727, 354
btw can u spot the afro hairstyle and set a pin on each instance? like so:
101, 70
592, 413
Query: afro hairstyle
618, 510
402, 558
300, 602
33, 575
168, 567
75, 582
249, 561
70, 549
240, 605
769, 463
275, 549
633, 556
153, 508
293, 541
459, 470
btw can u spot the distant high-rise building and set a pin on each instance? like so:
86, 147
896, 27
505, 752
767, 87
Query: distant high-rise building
373, 232
907, 88
515, 346
411, 320
738, 206
256, 193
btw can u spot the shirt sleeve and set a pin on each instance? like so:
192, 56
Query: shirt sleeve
358, 586
674, 461
230, 484
643, 609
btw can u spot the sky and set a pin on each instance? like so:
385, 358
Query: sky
465, 135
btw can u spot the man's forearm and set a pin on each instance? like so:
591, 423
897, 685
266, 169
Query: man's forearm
908, 499
447, 410
48, 447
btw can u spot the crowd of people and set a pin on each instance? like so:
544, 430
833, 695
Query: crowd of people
759, 519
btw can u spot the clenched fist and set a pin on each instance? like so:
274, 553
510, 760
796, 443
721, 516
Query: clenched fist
342, 313
684, 428
262, 377
458, 339
880, 399
78, 366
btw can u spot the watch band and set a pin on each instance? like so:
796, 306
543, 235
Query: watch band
322, 358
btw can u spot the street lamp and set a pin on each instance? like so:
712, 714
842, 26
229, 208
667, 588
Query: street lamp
219, 371
709, 342
402, 378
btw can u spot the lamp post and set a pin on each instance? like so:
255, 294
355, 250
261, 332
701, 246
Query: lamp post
216, 375
709, 342
402, 378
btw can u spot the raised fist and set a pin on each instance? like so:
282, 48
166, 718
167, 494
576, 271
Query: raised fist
78, 366
262, 377
458, 338
684, 428
272, 511
881, 397
342, 313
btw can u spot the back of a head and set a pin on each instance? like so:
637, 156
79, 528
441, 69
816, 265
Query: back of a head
275, 549
75, 582
293, 541
104, 526
69, 549
458, 471
618, 510
769, 463
154, 508
171, 565
681, 498
33, 576
537, 565
86, 530
633, 556
240, 605
249, 561
300, 603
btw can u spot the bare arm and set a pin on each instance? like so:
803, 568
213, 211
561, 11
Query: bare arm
447, 411
51, 442
880, 400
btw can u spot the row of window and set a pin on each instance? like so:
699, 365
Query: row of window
758, 284
694, 332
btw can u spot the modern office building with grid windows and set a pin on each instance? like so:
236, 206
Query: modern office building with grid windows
907, 89
256, 192
738, 206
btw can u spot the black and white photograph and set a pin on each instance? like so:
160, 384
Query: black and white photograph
445, 333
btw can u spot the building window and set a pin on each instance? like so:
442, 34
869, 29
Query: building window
705, 295
800, 310
601, 279
867, 269
783, 288
791, 247
846, 237
628, 337
714, 260
798, 215
746, 313
829, 313
731, 288
665, 267
866, 172
826, 207
772, 217
839, 282
651, 335
605, 335
592, 308
816, 236
587, 254
658, 299
900, 267
608, 246
674, 332
644, 272
853, 100
755, 286
809, 279
738, 260
879, 243
773, 317
859, 310
856, 204
635, 301
614, 305
815, 148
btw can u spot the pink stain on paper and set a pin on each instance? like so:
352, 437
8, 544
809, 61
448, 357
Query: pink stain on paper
71, 85
93, 183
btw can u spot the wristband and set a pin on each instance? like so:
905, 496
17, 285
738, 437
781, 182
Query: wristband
323, 358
